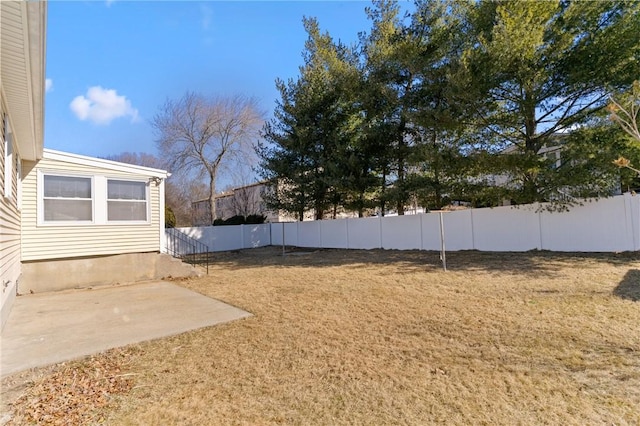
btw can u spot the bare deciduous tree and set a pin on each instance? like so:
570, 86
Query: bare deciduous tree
139, 159
198, 134
625, 110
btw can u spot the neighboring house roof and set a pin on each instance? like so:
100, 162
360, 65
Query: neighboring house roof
105, 164
262, 182
22, 59
555, 143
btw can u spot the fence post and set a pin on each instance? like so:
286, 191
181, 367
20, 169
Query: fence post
443, 252
539, 210
631, 228
473, 231
347, 226
421, 233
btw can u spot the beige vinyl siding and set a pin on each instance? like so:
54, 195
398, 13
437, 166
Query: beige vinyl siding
9, 227
41, 242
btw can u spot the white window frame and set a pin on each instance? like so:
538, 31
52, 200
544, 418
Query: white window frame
41, 198
147, 201
19, 183
99, 205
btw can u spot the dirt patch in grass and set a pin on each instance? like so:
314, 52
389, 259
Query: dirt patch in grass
387, 337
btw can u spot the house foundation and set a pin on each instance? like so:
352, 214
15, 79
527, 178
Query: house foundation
63, 274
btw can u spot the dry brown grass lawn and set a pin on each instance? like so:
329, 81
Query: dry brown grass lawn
386, 337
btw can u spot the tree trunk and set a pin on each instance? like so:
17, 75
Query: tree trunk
212, 196
436, 173
401, 180
532, 146
319, 212
401, 165
382, 192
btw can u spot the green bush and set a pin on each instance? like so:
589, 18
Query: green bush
234, 220
169, 217
255, 219
252, 219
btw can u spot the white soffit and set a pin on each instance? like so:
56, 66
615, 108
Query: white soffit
22, 64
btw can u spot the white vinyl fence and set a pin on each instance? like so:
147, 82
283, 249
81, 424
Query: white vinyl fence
606, 225
224, 238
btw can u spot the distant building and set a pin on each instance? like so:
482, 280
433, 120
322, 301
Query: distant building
242, 201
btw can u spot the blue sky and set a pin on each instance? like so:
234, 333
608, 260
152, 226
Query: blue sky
110, 65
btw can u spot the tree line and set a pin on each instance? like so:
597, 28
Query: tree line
455, 101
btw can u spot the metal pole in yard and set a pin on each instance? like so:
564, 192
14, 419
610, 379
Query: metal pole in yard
283, 245
443, 254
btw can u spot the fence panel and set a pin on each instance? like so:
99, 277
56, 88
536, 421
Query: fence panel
335, 233
276, 233
364, 233
309, 234
458, 226
601, 225
291, 233
256, 235
507, 228
401, 232
227, 238
204, 234
218, 238
633, 201
606, 225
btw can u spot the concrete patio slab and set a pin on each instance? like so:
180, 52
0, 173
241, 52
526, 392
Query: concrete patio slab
48, 328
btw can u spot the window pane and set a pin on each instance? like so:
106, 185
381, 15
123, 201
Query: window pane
126, 190
55, 210
67, 187
126, 210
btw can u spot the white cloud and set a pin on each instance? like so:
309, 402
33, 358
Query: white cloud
207, 16
101, 106
48, 85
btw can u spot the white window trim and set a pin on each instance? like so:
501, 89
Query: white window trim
147, 201
99, 200
19, 177
40, 201
8, 159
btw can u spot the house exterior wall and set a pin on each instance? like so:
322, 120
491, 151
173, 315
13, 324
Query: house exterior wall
22, 67
40, 242
200, 215
225, 206
10, 269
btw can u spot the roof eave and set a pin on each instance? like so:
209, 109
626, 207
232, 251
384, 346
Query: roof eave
22, 51
104, 164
